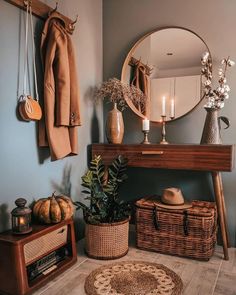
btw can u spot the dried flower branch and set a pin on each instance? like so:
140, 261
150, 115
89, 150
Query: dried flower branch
215, 97
117, 92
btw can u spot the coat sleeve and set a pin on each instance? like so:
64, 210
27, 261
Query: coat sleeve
75, 118
66, 88
61, 72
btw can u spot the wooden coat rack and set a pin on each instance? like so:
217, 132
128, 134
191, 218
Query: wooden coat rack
39, 9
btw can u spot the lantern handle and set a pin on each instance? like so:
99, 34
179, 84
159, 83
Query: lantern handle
21, 202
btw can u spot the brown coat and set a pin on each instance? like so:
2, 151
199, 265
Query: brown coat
141, 81
58, 128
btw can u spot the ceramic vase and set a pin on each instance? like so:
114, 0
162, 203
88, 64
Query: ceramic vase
211, 130
115, 126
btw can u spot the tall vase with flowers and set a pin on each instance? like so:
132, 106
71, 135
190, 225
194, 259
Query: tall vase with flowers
117, 92
215, 99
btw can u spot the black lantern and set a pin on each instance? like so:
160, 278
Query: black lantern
21, 218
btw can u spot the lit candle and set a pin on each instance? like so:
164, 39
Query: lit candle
146, 124
163, 106
172, 108
21, 220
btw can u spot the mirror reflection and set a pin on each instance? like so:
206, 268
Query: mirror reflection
166, 66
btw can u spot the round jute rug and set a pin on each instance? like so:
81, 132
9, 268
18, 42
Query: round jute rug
133, 278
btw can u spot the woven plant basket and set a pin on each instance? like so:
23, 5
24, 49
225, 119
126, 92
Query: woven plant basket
107, 240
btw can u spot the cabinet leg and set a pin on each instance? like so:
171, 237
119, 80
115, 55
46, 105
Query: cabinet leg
221, 211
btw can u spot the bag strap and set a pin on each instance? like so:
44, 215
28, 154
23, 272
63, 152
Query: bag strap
33, 52
29, 14
26, 52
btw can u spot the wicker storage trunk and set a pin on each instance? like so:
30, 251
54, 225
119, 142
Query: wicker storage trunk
190, 232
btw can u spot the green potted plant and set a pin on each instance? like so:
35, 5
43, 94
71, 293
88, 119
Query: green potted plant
106, 216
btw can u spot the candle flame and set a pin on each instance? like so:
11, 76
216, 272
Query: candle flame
21, 221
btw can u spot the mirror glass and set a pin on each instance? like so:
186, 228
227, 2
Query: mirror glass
166, 66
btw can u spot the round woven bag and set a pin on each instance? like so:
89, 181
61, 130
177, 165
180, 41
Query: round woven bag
30, 109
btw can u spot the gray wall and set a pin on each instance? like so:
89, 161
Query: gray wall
124, 22
26, 171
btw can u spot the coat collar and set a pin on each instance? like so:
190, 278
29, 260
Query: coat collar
54, 19
56, 16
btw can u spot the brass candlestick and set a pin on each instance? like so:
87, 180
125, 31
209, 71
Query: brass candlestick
145, 140
163, 131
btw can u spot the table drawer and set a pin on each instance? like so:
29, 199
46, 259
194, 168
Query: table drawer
186, 157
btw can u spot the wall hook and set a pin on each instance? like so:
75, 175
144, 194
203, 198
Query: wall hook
72, 24
54, 10
27, 2
75, 21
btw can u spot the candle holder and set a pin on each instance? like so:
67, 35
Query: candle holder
163, 131
145, 140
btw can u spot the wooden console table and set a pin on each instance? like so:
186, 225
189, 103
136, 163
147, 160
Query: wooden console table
213, 158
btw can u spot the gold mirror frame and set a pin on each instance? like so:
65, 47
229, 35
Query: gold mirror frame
126, 64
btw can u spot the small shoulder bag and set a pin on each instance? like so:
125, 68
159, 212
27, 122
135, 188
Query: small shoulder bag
29, 107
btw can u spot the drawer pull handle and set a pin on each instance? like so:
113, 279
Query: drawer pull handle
152, 152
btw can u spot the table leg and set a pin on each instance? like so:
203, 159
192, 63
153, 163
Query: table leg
224, 210
219, 203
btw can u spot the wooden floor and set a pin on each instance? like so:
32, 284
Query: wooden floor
215, 277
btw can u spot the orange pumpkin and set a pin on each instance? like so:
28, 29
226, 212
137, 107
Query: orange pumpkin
53, 209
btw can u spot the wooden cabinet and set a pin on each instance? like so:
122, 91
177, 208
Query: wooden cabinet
22, 256
213, 158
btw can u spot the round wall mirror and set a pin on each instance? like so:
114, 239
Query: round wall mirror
166, 66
